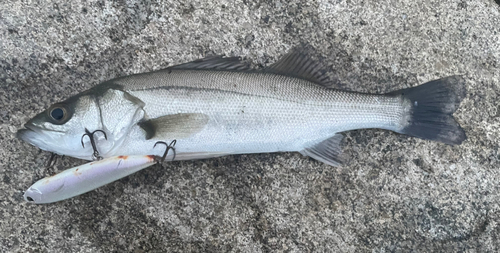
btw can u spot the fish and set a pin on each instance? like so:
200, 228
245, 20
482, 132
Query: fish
219, 106
84, 178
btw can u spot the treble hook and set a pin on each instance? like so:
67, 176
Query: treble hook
169, 147
92, 142
52, 160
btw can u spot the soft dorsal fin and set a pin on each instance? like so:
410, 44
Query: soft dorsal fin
327, 151
298, 63
215, 62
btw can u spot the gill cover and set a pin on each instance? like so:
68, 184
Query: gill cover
118, 113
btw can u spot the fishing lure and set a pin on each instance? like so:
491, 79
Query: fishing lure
84, 178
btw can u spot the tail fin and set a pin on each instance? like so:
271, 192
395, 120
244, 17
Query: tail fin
432, 106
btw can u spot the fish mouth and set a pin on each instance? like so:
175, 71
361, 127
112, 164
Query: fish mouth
34, 136
29, 133
25, 135
32, 128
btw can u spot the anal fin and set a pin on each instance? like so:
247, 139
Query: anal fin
327, 151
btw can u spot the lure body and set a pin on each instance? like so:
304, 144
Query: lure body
84, 178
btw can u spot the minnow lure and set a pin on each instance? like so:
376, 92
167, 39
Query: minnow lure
84, 178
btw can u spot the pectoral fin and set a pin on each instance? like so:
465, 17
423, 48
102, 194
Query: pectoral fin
174, 126
327, 151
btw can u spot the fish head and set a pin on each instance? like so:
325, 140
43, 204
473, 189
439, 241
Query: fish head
66, 128
60, 128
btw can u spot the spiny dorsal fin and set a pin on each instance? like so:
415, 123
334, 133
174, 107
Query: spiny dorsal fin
215, 62
327, 151
298, 63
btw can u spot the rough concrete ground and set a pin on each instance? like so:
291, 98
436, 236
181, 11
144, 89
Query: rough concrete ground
396, 194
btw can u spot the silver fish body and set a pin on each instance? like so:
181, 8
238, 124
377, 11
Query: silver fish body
211, 108
256, 112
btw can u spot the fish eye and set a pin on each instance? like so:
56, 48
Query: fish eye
30, 199
57, 113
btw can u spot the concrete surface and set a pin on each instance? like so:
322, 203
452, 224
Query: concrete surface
397, 194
